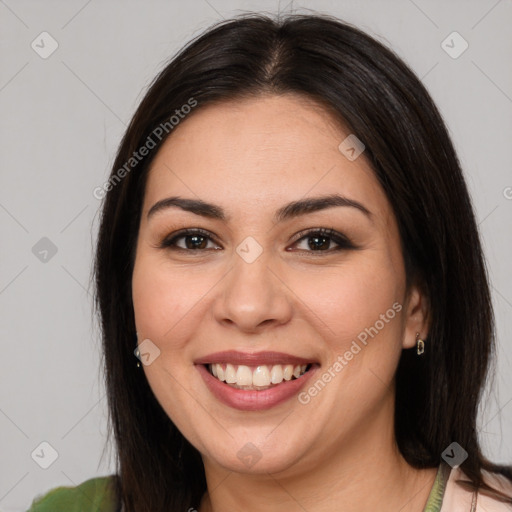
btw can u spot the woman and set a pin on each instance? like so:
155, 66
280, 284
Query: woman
289, 249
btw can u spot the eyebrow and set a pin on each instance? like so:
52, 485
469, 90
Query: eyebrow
289, 211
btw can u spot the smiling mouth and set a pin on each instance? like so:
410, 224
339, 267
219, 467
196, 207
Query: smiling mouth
257, 378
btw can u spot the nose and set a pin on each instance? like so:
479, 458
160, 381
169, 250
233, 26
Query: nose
252, 296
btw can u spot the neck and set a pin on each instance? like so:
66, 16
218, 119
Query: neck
366, 472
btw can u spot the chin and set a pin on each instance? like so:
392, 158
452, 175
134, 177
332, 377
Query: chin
258, 453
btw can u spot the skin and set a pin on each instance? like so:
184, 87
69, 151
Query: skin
251, 157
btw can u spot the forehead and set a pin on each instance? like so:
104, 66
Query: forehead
254, 152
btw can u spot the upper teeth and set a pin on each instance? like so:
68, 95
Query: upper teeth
262, 375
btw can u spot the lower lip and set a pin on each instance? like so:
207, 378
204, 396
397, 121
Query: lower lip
251, 400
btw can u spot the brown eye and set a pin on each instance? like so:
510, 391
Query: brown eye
194, 240
321, 240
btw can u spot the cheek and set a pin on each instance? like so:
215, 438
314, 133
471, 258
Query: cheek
162, 301
361, 306
352, 297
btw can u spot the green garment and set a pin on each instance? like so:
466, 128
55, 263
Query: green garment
96, 495
435, 498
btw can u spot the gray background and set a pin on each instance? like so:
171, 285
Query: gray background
62, 118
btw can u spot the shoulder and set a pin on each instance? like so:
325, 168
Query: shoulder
96, 494
459, 499
500, 483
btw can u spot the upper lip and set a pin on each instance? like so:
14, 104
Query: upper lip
252, 359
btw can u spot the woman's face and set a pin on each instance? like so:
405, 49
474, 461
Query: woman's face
258, 295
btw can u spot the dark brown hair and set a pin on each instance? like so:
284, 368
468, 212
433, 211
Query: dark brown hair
372, 91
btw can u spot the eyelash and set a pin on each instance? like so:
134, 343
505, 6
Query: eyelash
341, 240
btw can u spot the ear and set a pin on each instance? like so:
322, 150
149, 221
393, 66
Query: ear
416, 317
